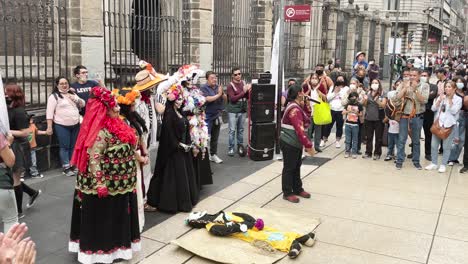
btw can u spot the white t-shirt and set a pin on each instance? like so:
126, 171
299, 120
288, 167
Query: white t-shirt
394, 127
315, 96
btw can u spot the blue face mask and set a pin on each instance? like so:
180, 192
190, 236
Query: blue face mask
460, 85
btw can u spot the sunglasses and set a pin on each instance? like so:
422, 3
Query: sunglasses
237, 74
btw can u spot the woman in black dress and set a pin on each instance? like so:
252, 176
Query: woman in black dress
173, 187
19, 128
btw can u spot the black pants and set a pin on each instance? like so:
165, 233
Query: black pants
291, 178
360, 136
337, 117
214, 135
315, 132
427, 123
374, 127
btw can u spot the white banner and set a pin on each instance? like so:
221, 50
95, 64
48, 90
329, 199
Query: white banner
3, 109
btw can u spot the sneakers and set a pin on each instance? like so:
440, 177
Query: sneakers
365, 156
241, 150
214, 158
291, 198
337, 144
410, 156
388, 158
354, 156
463, 170
453, 162
231, 153
442, 169
318, 150
346, 155
69, 172
431, 166
417, 166
37, 176
376, 157
322, 143
399, 166
32, 199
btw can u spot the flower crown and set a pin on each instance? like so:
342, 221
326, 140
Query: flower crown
174, 92
104, 95
129, 97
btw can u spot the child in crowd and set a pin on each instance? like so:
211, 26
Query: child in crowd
353, 111
393, 130
33, 144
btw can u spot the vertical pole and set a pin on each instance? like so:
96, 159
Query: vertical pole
427, 40
279, 82
394, 42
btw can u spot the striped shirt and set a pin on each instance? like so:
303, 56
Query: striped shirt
161, 100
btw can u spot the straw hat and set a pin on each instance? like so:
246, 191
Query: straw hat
145, 80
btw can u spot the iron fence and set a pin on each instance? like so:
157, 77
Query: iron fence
234, 38
342, 37
383, 43
358, 33
137, 30
34, 45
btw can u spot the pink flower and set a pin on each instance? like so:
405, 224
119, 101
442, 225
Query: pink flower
106, 160
116, 178
96, 156
116, 161
102, 191
259, 224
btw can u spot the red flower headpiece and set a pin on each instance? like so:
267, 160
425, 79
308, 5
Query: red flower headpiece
104, 95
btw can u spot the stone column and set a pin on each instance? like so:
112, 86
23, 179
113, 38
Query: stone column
377, 39
201, 40
365, 34
264, 35
329, 50
350, 47
86, 35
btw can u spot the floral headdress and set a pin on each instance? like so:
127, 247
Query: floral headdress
174, 92
129, 98
104, 95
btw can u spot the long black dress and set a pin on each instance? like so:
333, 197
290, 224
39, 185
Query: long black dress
173, 187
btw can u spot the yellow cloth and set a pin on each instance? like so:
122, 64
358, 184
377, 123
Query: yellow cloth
277, 239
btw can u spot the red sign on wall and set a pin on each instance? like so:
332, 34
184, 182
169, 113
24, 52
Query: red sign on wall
297, 13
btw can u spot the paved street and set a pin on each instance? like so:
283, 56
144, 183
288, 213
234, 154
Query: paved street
370, 212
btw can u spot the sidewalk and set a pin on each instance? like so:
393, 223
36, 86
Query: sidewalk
370, 213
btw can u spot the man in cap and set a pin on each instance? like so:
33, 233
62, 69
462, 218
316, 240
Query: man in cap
360, 62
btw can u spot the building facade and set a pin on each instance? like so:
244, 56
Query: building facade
446, 24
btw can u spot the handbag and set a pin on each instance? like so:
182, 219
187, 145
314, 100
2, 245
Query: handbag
322, 113
440, 132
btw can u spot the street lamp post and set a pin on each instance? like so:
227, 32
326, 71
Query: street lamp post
394, 42
427, 11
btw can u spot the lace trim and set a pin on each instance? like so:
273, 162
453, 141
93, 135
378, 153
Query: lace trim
108, 257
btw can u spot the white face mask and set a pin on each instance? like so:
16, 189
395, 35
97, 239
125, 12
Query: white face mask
423, 79
460, 85
375, 86
352, 86
405, 78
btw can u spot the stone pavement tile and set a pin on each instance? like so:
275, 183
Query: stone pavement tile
381, 195
458, 185
236, 191
199, 260
276, 167
377, 239
165, 231
324, 253
54, 259
148, 247
455, 227
213, 204
455, 206
307, 169
241, 203
169, 254
448, 251
260, 177
378, 214
262, 195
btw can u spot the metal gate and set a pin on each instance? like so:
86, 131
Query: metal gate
342, 37
358, 35
371, 51
383, 43
152, 30
234, 38
34, 45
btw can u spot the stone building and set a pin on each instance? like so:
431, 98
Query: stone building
447, 24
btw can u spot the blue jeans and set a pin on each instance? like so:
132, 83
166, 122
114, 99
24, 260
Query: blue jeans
447, 144
392, 142
416, 124
351, 134
460, 133
33, 169
66, 136
236, 124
